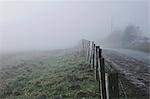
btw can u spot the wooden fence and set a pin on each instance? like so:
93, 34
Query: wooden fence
108, 81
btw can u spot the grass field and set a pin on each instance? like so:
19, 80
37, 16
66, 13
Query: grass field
54, 77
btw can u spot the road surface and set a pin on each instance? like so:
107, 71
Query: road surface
129, 64
141, 56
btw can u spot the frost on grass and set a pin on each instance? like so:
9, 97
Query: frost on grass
67, 76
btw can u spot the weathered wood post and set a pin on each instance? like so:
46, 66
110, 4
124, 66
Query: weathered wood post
100, 53
103, 82
97, 59
113, 86
91, 52
93, 55
87, 45
107, 89
99, 72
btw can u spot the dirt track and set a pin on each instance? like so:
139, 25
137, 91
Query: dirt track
133, 70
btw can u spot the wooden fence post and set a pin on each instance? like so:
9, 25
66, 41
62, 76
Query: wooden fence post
107, 89
103, 82
87, 45
93, 55
97, 59
113, 86
99, 73
100, 53
88, 50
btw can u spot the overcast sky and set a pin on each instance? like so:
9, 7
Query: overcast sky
53, 24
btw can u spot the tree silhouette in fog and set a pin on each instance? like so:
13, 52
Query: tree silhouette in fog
130, 34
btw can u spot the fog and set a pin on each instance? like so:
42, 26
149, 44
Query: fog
59, 24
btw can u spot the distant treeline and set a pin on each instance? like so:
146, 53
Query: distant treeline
131, 37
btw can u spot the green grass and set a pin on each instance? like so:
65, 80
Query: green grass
62, 77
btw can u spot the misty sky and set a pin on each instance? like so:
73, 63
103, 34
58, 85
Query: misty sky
53, 24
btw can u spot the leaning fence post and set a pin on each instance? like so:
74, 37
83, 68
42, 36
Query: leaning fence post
113, 86
103, 82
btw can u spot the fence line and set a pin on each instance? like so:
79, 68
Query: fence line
108, 82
